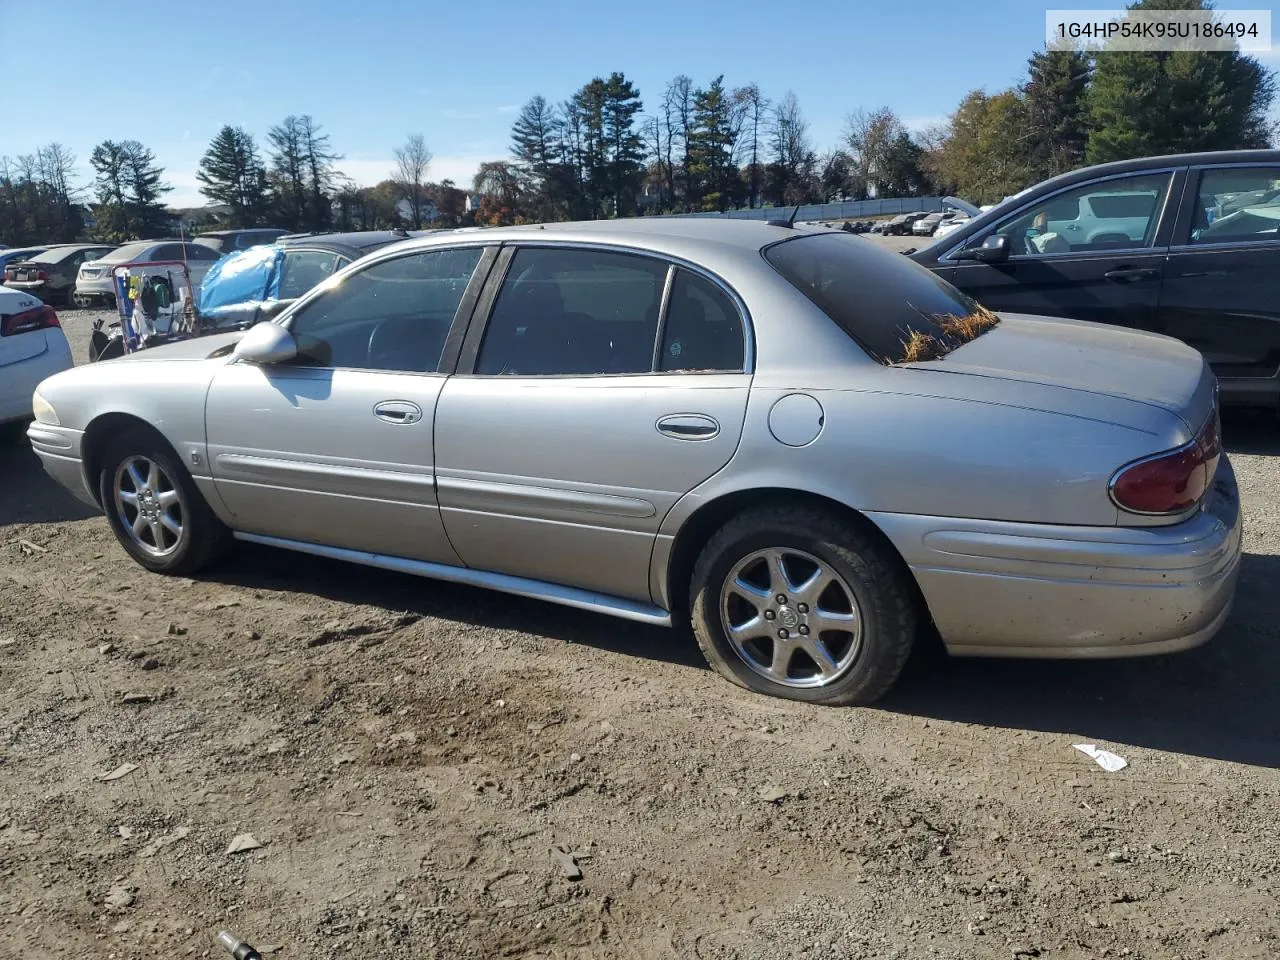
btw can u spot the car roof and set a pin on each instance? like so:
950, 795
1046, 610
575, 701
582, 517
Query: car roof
232, 233
707, 241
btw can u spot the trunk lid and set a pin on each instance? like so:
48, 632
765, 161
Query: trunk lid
1092, 359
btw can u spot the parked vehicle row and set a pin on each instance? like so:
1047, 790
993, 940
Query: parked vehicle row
80, 274
258, 282
664, 419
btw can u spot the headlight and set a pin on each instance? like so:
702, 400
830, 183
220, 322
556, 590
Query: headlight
43, 410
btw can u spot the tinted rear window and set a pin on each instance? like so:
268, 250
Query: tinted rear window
877, 297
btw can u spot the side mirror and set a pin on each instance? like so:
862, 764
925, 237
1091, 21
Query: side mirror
266, 343
994, 249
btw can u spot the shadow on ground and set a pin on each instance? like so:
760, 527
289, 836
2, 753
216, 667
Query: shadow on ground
262, 567
27, 493
1217, 701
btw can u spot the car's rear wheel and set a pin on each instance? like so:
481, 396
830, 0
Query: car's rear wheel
800, 603
81, 301
154, 508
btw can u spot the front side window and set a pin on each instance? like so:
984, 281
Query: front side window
1236, 204
565, 312
303, 269
1117, 214
393, 315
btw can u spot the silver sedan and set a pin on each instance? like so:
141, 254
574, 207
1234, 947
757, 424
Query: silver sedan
807, 447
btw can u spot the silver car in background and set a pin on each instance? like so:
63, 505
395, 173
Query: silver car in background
808, 447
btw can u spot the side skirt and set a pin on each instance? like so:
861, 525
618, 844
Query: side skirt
519, 586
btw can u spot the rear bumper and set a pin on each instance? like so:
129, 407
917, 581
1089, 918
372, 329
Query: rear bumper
59, 451
1031, 590
97, 287
18, 380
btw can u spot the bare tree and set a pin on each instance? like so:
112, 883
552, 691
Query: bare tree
677, 107
751, 106
412, 162
793, 157
870, 137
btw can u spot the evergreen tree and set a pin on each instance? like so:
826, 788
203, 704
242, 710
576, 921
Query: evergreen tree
288, 173
623, 145
233, 174
129, 185
1149, 103
716, 126
1055, 93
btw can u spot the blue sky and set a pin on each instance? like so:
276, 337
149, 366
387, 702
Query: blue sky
373, 72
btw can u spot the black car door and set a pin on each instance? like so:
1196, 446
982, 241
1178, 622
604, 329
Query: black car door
1094, 251
1221, 292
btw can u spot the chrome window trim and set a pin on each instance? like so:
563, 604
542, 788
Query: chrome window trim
287, 317
1220, 245
671, 260
995, 225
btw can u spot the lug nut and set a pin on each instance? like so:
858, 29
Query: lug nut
782, 599
804, 631
802, 607
769, 614
782, 634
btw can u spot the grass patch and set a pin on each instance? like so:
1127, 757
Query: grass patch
955, 332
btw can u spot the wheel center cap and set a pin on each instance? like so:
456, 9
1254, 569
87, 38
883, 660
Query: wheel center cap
788, 618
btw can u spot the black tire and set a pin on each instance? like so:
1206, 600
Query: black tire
203, 539
879, 581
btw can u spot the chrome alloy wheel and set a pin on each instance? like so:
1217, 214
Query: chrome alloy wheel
791, 618
149, 505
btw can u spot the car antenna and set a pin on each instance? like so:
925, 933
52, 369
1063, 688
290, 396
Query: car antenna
789, 222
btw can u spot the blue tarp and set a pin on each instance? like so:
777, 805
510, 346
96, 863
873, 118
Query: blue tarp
241, 279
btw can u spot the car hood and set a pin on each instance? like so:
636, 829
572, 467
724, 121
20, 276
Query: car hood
195, 348
1089, 358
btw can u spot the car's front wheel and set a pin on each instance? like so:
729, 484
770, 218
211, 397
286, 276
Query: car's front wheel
154, 508
800, 603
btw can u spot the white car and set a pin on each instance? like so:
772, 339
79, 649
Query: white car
32, 347
96, 280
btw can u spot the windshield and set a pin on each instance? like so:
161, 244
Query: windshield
885, 301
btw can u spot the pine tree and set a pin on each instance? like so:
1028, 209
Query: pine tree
233, 174
1150, 103
288, 173
624, 147
716, 125
1057, 111
129, 185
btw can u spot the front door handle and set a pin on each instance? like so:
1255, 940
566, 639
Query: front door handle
1130, 274
688, 426
398, 411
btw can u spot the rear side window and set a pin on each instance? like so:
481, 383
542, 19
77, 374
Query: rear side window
574, 312
703, 330
1238, 204
879, 298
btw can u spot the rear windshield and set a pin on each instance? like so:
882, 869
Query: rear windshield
881, 299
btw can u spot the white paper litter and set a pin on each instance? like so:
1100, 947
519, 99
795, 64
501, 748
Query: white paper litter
1107, 760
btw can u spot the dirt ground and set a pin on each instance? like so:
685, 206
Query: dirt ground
405, 755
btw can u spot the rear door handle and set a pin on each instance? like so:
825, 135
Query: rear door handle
1130, 274
688, 426
398, 411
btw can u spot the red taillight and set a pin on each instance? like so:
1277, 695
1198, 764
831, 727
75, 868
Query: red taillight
37, 318
41, 275
1171, 482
